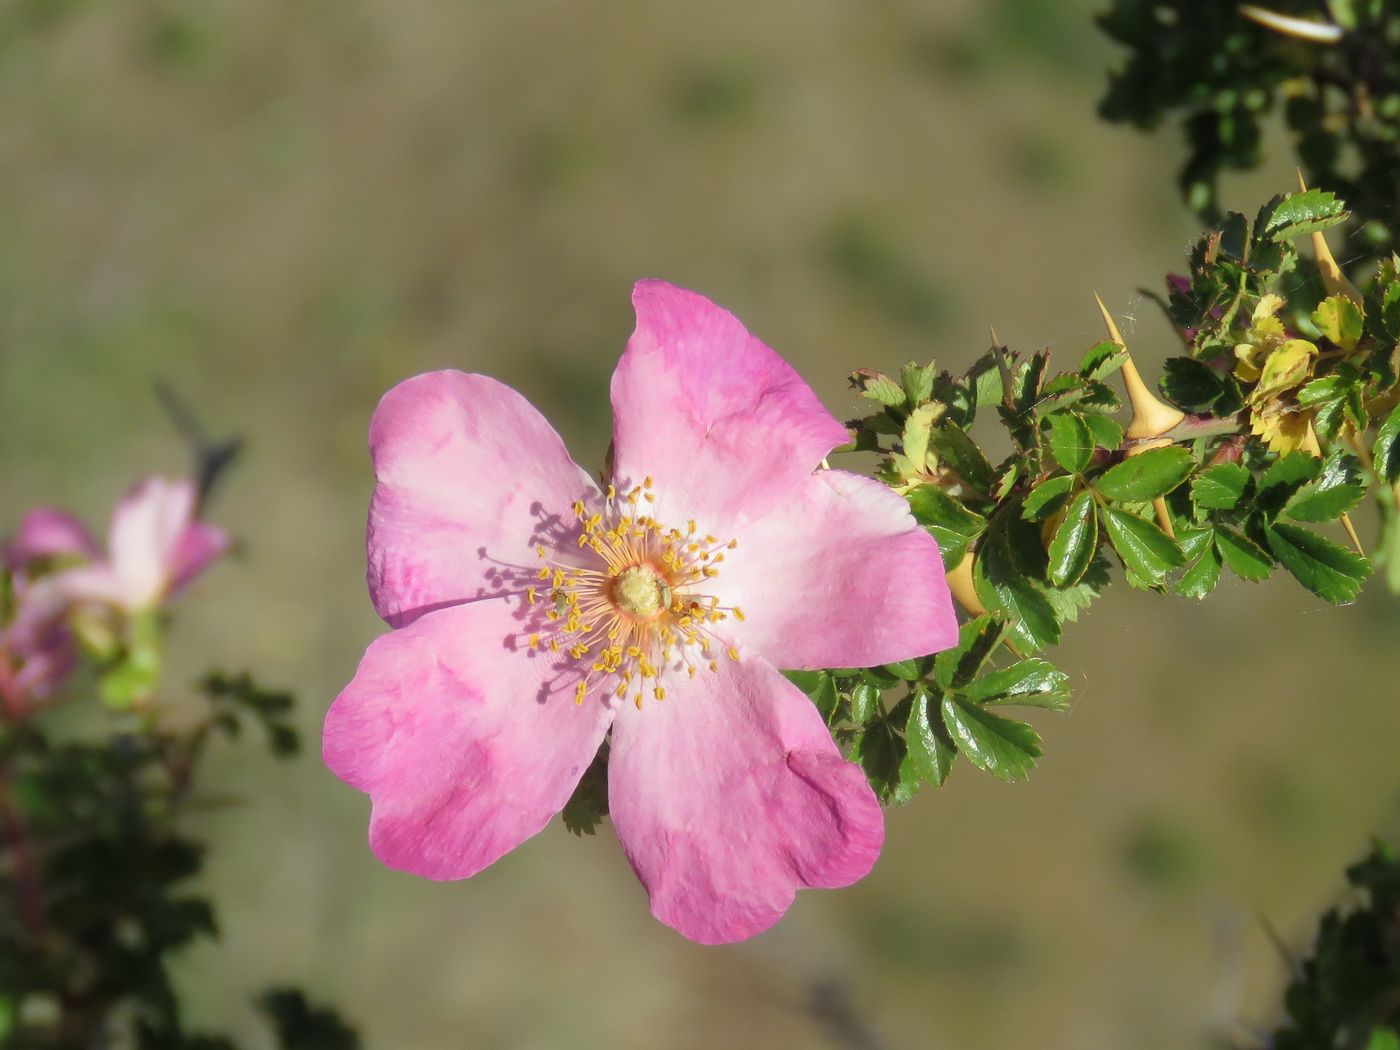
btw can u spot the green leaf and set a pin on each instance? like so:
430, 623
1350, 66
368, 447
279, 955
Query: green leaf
820, 689
878, 387
1383, 1039
916, 434
1001, 586
1146, 476
865, 702
1190, 384
1339, 320
1220, 487
1146, 550
1074, 542
1284, 218
1331, 572
917, 381
1047, 498
1104, 432
930, 750
904, 670
1195, 542
1005, 748
1201, 578
588, 805
1069, 602
880, 752
1336, 490
1070, 442
1102, 360
1387, 450
951, 523
1246, 559
960, 452
976, 640
1027, 683
1288, 472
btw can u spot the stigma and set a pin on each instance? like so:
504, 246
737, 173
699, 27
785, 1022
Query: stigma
636, 603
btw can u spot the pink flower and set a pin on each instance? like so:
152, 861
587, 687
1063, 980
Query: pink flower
36, 647
155, 547
536, 612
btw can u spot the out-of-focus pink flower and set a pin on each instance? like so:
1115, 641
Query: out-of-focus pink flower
536, 612
36, 646
48, 533
155, 547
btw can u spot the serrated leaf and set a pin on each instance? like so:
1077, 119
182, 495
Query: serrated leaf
1220, 487
1027, 683
1069, 602
1104, 432
1005, 748
961, 453
1147, 475
878, 387
1336, 490
1387, 448
820, 689
1047, 498
1074, 542
865, 701
1202, 577
904, 670
1287, 472
1284, 218
1146, 550
1246, 559
917, 381
1194, 542
1002, 586
588, 805
1330, 571
1102, 360
1070, 442
930, 749
1190, 384
951, 523
976, 640
916, 434
880, 753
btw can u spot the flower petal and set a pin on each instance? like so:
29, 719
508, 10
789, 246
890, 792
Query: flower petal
841, 576
723, 425
46, 532
729, 796
470, 479
146, 529
199, 545
467, 741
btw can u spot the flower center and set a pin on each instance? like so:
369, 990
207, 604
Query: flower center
639, 606
641, 592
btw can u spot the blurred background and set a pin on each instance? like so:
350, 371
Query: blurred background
280, 210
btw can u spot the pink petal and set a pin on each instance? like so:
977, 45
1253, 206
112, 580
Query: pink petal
466, 740
146, 529
198, 546
841, 576
47, 533
470, 479
724, 425
729, 796
39, 637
